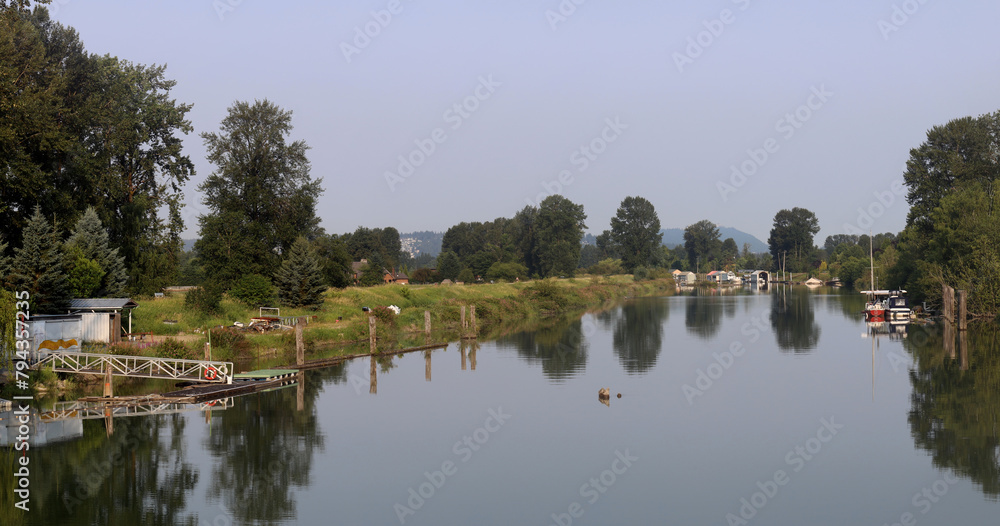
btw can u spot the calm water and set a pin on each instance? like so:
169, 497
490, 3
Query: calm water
778, 408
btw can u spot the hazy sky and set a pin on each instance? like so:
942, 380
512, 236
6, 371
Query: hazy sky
625, 97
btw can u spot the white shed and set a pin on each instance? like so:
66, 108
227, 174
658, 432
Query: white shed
102, 317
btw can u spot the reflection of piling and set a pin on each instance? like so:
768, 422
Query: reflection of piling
372, 378
963, 350
371, 333
461, 349
949, 339
427, 366
300, 391
472, 355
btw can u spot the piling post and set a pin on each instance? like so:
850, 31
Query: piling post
962, 310
371, 333
108, 389
208, 351
427, 322
472, 314
464, 325
300, 344
948, 303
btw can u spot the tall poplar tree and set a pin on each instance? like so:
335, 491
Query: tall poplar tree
261, 194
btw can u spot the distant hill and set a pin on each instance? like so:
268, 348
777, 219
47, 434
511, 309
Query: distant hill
675, 236
422, 242
188, 244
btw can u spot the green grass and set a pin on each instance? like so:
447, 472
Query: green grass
498, 307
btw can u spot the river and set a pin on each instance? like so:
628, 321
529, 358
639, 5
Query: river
776, 408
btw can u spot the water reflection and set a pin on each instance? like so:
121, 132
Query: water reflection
955, 405
703, 315
138, 475
794, 320
638, 333
262, 444
561, 349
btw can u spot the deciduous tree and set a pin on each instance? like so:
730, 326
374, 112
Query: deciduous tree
635, 231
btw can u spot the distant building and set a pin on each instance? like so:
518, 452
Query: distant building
686, 278
392, 276
357, 267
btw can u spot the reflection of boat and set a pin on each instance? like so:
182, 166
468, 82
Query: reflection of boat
894, 328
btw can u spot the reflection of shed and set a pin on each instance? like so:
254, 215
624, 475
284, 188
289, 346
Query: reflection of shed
102, 317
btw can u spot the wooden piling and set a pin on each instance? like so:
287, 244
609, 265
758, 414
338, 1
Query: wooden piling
427, 322
371, 333
464, 326
108, 389
208, 351
948, 303
300, 344
963, 318
472, 314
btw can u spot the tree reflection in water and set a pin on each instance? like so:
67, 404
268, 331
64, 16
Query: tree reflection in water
955, 411
793, 319
638, 333
561, 349
263, 449
703, 315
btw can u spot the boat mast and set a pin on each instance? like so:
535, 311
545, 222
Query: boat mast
871, 256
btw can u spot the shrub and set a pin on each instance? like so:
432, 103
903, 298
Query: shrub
231, 340
506, 271
171, 348
640, 274
206, 300
254, 290
607, 266
466, 276
425, 275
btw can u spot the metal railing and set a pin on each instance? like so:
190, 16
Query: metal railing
138, 366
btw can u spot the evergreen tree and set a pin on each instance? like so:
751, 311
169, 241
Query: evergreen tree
38, 267
4, 264
89, 240
300, 280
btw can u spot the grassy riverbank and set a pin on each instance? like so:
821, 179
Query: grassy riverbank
341, 320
